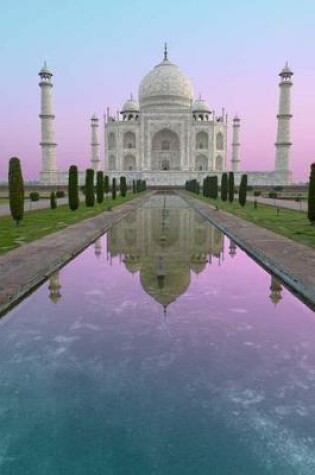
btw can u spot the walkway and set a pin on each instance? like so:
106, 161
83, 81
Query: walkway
292, 262
31, 205
290, 204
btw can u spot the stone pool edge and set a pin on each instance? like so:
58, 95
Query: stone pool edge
291, 262
25, 268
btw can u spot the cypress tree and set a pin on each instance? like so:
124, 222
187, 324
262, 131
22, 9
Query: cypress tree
16, 190
106, 185
73, 188
134, 187
89, 187
224, 187
123, 186
311, 196
215, 187
114, 189
243, 191
138, 186
53, 200
100, 187
231, 187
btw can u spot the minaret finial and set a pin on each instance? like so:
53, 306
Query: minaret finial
165, 52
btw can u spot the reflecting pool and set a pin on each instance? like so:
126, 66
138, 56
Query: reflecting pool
160, 350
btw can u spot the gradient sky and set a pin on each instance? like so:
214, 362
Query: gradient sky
99, 51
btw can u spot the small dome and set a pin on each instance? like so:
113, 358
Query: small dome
201, 105
166, 84
130, 106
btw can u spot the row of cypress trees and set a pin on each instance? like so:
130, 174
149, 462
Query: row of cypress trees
210, 187
102, 187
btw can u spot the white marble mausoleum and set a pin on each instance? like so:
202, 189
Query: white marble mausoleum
168, 135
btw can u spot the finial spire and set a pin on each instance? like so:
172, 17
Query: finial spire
165, 52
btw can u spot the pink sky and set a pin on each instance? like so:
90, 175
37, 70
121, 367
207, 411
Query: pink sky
232, 53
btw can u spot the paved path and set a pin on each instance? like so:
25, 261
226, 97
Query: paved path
31, 205
292, 262
24, 268
290, 204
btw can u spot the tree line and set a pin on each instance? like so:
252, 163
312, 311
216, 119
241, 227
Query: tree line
94, 189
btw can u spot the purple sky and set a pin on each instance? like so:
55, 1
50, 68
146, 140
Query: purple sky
99, 52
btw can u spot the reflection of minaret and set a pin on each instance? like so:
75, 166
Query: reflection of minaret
232, 248
54, 287
276, 289
98, 247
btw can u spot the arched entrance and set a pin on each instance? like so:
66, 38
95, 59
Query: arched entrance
165, 152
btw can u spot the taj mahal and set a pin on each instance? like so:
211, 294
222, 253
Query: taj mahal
167, 136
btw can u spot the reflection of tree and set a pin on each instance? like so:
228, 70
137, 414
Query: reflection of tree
164, 242
54, 287
276, 289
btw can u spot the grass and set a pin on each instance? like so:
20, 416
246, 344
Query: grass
289, 223
39, 223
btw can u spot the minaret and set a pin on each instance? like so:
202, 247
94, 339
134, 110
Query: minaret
283, 133
95, 145
49, 168
235, 162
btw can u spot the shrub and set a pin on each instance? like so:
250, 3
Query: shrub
273, 194
106, 184
60, 194
224, 187
257, 193
311, 196
53, 201
100, 187
243, 190
123, 186
231, 190
73, 188
16, 190
34, 196
114, 189
89, 187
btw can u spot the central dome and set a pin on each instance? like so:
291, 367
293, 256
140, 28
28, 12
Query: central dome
166, 85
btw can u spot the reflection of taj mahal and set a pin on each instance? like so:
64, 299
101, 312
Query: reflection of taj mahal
164, 244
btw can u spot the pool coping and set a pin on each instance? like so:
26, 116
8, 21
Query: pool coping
293, 263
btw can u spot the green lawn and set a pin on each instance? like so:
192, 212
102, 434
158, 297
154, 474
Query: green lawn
289, 223
39, 223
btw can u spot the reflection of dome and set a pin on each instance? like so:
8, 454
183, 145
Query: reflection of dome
198, 264
165, 84
132, 263
175, 282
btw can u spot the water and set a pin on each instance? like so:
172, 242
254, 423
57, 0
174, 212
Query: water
160, 350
